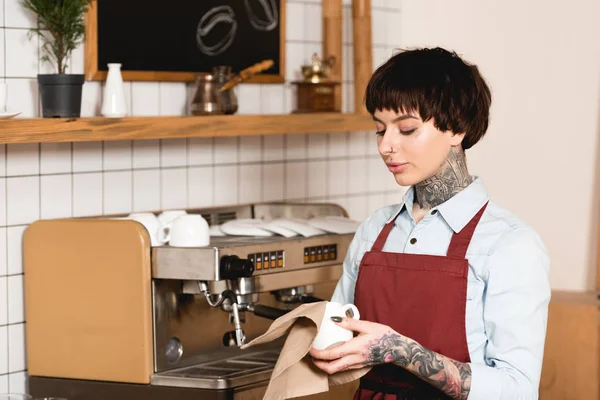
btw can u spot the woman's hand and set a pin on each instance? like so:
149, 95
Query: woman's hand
379, 344
375, 344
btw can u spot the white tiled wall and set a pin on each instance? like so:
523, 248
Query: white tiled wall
79, 179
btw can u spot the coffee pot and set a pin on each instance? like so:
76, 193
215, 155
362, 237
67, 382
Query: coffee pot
209, 99
213, 91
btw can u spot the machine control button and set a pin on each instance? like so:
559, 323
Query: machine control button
320, 253
258, 262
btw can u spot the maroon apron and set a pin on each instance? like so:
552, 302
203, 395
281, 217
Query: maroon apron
422, 297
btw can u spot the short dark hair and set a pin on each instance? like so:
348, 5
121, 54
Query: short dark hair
435, 83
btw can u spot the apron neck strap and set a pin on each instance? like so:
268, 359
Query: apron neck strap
383, 235
461, 240
458, 245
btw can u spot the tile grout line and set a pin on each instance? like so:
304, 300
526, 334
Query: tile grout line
4, 36
6, 246
13, 324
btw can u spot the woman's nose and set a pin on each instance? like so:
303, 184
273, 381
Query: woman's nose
386, 144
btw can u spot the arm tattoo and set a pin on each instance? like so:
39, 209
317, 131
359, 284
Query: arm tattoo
452, 177
450, 376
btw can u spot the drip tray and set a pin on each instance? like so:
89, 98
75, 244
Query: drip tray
221, 374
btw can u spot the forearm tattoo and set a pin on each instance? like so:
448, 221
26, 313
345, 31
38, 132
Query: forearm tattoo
451, 179
450, 376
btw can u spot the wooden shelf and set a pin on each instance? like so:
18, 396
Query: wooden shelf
140, 128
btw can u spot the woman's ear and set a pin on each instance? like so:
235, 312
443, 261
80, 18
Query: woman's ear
456, 138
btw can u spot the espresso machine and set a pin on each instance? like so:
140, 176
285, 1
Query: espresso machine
110, 316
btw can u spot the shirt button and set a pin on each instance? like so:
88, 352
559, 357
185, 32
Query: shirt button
413, 240
434, 212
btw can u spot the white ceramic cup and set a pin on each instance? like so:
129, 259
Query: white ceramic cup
3, 94
190, 230
167, 217
151, 224
330, 334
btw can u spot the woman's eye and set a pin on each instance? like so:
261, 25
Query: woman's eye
407, 132
380, 132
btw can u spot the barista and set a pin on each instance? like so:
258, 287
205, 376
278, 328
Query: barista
453, 289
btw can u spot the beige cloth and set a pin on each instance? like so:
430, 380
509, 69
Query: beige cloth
295, 374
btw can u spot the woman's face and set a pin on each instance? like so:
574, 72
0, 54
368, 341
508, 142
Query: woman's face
413, 150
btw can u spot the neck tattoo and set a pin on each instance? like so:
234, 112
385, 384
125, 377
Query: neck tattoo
452, 177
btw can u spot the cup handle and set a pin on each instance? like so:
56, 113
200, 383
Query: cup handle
164, 233
355, 313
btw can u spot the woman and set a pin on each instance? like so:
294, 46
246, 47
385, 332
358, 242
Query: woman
453, 290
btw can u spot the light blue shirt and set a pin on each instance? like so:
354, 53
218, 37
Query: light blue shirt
508, 286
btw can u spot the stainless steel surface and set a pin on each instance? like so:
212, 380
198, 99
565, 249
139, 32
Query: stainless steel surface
293, 295
268, 283
76, 389
240, 338
200, 328
222, 374
197, 313
245, 290
201, 263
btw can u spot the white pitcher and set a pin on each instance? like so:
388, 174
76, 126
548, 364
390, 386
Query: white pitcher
113, 99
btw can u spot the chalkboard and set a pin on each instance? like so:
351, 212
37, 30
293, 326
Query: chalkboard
176, 40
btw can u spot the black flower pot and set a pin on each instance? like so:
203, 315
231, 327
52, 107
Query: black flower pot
61, 95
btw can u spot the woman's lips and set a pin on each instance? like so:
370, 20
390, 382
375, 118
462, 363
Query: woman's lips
396, 168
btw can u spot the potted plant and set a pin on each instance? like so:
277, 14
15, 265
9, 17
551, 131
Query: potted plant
61, 28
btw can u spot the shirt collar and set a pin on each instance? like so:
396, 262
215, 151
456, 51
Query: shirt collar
462, 207
407, 201
459, 210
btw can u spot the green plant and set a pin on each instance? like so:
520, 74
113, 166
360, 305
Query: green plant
60, 26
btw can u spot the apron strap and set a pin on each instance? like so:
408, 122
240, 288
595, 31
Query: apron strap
461, 240
383, 235
458, 245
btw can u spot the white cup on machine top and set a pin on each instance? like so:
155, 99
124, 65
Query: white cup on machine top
151, 224
167, 217
190, 230
330, 334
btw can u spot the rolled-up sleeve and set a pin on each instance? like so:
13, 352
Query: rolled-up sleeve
515, 315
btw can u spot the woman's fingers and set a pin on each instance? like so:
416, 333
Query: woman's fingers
359, 326
351, 361
354, 345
